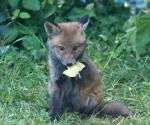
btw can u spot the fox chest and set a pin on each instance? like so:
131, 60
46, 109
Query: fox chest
76, 93
71, 91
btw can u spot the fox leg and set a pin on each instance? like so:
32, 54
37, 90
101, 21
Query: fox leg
55, 101
91, 105
90, 100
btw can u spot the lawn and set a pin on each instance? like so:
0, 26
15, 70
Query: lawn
24, 96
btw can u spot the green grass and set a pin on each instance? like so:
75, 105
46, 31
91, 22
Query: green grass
24, 95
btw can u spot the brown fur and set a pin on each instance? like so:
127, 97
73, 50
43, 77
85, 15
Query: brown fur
83, 94
69, 34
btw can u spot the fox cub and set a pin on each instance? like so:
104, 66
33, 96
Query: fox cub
66, 45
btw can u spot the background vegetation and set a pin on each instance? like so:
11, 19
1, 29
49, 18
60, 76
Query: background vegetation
118, 43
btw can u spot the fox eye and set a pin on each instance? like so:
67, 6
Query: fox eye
61, 48
75, 48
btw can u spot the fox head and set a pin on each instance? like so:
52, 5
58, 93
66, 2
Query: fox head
67, 40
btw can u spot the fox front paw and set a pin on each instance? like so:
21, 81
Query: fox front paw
53, 116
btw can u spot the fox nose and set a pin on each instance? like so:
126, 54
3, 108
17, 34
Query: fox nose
69, 64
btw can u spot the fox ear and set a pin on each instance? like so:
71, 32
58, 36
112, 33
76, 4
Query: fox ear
84, 21
51, 29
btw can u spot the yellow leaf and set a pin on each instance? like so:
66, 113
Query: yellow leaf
80, 65
73, 70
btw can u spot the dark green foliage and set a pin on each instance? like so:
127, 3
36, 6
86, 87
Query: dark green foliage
23, 24
137, 34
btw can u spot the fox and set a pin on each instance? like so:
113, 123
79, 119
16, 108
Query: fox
66, 45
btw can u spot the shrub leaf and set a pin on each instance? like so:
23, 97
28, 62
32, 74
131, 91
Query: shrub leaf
11, 34
16, 12
3, 16
51, 1
24, 15
31, 4
142, 34
13, 3
29, 42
